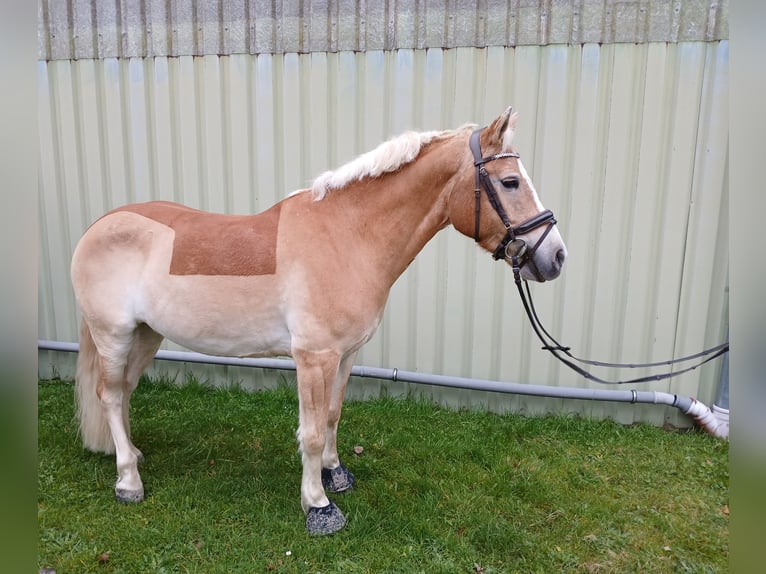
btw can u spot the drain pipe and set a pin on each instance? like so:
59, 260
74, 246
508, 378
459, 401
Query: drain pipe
701, 413
721, 406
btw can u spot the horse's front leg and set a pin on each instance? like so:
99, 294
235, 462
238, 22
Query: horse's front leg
317, 375
335, 476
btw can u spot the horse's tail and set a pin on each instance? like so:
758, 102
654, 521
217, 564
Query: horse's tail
94, 429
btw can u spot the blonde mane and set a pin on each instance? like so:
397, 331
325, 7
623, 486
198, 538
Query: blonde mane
386, 158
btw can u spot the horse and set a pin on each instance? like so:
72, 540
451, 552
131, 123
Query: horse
307, 278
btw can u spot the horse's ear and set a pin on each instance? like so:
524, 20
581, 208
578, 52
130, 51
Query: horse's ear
504, 127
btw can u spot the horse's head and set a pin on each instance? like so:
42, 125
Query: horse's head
504, 214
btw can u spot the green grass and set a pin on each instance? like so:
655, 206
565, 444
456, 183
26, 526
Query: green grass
436, 491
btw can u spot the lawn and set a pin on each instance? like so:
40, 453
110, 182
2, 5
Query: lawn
436, 491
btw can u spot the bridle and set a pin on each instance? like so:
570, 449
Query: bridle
514, 249
511, 247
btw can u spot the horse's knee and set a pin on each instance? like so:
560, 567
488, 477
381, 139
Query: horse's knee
333, 418
310, 441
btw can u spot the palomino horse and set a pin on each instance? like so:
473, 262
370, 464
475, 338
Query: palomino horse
308, 278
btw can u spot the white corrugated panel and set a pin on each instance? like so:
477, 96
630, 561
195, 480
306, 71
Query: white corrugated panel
626, 143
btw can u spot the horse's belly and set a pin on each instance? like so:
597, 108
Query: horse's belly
252, 345
229, 316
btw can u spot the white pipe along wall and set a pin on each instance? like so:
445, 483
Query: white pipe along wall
713, 422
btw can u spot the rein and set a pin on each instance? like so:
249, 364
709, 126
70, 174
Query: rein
514, 249
557, 349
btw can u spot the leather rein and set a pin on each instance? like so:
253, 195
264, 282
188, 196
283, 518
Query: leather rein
514, 249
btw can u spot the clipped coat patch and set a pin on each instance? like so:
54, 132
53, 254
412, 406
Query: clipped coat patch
216, 244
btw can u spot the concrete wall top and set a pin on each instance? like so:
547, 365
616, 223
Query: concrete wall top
97, 29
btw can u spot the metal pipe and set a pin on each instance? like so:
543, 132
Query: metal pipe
687, 405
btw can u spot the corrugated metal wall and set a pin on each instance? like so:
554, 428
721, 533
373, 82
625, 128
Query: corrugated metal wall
627, 143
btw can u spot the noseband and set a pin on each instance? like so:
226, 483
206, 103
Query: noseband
512, 247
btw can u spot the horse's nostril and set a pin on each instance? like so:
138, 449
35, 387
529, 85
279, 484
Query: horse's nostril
560, 256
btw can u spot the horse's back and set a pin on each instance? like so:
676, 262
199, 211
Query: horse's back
201, 243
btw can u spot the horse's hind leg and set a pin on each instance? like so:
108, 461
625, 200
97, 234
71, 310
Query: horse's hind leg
146, 342
335, 476
112, 386
121, 362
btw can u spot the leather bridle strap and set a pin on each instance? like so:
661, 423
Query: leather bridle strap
482, 177
509, 247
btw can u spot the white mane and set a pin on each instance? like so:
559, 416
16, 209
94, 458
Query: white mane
386, 158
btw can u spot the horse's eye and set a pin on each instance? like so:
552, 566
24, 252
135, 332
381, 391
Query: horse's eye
510, 183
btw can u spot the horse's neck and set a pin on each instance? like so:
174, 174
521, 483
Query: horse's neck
394, 216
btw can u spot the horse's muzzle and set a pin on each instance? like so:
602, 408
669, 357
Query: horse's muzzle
542, 262
547, 268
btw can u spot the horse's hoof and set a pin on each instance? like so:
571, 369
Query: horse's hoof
326, 520
129, 496
337, 479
